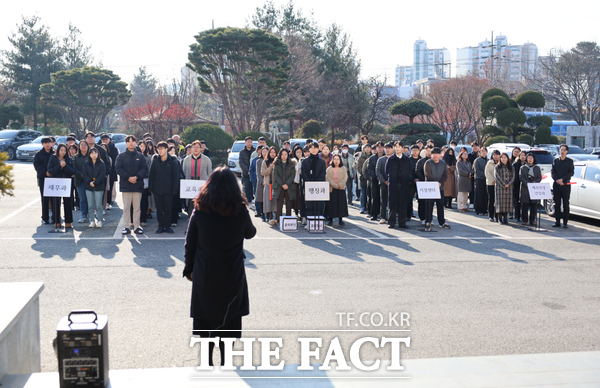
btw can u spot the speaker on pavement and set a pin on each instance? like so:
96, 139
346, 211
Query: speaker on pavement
82, 349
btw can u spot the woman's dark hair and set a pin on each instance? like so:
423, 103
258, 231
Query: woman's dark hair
89, 158
150, 147
221, 194
281, 151
88, 149
296, 148
449, 157
74, 146
508, 163
336, 156
512, 154
269, 160
145, 147
62, 145
259, 151
532, 155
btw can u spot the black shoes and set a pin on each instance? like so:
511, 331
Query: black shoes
403, 226
373, 218
565, 226
391, 226
169, 230
342, 223
126, 231
258, 215
556, 225
330, 223
160, 230
138, 231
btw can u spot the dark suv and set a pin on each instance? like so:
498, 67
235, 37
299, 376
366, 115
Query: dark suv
10, 139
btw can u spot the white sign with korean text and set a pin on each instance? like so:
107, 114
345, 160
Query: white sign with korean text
539, 191
428, 190
57, 187
189, 188
316, 191
288, 224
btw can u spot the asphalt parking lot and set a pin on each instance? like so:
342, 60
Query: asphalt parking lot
477, 289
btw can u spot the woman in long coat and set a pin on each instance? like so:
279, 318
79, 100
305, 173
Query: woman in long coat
214, 258
260, 188
519, 161
284, 187
266, 169
450, 190
505, 176
465, 172
530, 173
336, 175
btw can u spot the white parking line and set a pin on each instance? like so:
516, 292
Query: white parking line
321, 238
19, 210
377, 234
470, 225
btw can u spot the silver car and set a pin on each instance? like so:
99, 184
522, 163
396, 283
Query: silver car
234, 156
27, 151
585, 190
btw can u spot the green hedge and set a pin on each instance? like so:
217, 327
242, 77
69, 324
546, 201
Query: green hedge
215, 138
497, 139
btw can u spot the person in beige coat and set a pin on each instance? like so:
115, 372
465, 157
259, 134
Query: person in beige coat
266, 170
490, 180
337, 176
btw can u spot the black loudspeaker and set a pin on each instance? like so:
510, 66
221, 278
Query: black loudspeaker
82, 350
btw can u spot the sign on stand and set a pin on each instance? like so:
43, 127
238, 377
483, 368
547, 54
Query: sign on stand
57, 187
539, 191
428, 190
316, 191
189, 188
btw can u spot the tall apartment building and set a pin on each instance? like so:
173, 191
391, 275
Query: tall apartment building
427, 63
510, 62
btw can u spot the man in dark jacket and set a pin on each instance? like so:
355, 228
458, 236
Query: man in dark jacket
481, 195
375, 199
364, 155
40, 163
436, 170
562, 172
132, 168
412, 186
164, 184
399, 173
313, 170
382, 177
244, 160
472, 156
420, 177
113, 152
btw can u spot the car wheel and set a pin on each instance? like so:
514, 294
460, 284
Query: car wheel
549, 207
11, 153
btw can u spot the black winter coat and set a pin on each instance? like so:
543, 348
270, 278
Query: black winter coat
420, 169
94, 172
40, 162
103, 155
164, 176
214, 256
244, 159
131, 163
372, 166
113, 153
399, 173
313, 169
413, 169
57, 172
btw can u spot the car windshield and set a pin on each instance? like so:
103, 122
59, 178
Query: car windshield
543, 157
237, 147
38, 140
7, 134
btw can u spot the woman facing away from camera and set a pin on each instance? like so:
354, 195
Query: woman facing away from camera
214, 258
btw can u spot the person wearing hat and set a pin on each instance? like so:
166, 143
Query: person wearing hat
364, 155
436, 171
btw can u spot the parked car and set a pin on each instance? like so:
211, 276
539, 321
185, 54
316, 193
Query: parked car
507, 147
468, 147
301, 142
555, 149
585, 190
593, 150
234, 156
27, 151
11, 139
583, 158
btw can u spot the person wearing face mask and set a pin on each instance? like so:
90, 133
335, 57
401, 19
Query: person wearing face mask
348, 161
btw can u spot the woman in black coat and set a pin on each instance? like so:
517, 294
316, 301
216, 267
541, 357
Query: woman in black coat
61, 166
214, 258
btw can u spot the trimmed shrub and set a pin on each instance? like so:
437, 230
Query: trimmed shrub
309, 130
438, 140
525, 139
543, 134
213, 135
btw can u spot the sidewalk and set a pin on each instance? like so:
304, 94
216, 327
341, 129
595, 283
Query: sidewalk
580, 369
